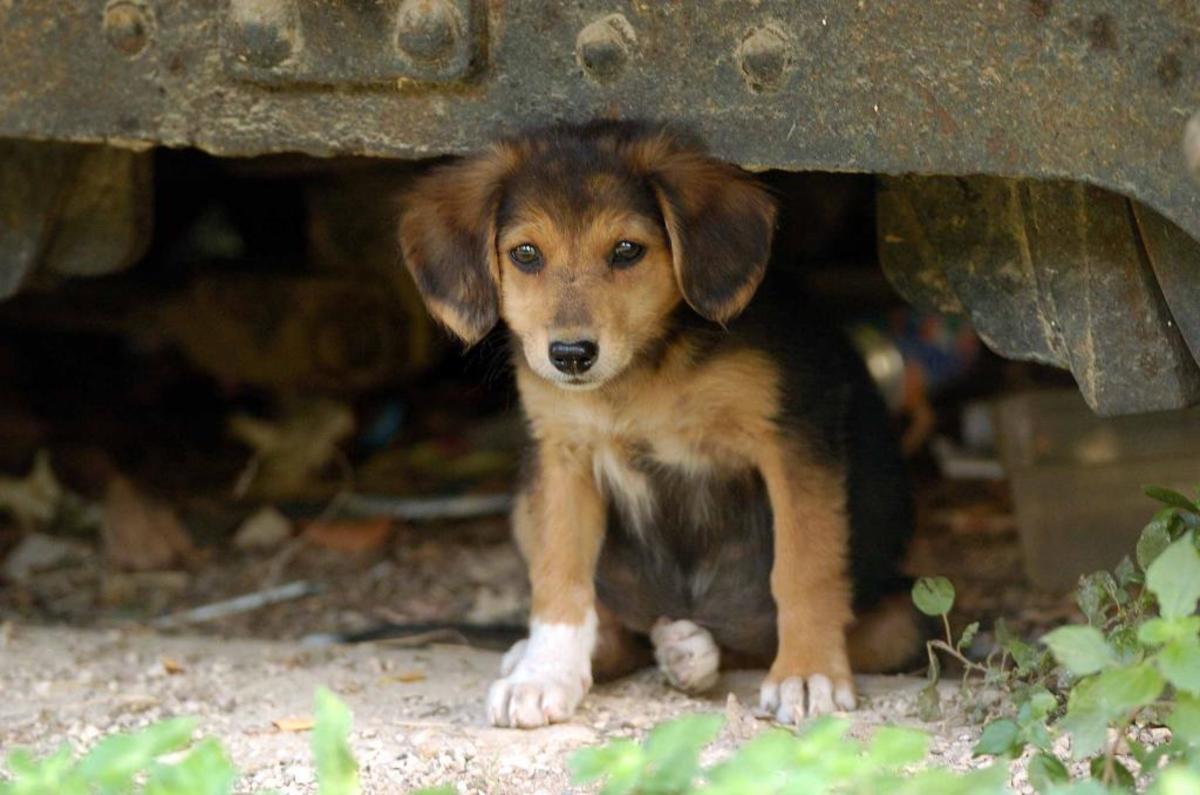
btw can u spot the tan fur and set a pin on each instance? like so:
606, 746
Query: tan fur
559, 525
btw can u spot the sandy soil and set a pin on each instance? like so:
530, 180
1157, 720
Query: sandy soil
418, 715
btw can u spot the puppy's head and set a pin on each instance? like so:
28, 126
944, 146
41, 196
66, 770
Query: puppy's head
584, 240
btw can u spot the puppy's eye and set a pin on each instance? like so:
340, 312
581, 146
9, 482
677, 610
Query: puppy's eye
626, 253
526, 257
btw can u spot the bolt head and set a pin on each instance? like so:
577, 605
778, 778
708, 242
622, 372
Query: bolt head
265, 33
764, 58
604, 47
126, 27
428, 30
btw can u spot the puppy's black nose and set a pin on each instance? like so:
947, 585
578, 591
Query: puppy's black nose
573, 358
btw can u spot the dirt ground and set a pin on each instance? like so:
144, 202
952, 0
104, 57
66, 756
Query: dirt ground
418, 717
162, 452
80, 661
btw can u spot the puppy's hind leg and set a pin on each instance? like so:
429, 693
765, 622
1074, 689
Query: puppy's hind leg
687, 654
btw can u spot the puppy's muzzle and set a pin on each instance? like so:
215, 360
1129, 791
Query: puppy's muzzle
575, 357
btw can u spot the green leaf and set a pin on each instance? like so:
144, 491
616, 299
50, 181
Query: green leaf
445, 789
620, 763
1091, 597
205, 771
1044, 770
895, 746
114, 762
999, 738
1174, 578
1169, 497
1155, 537
1126, 573
337, 772
1088, 729
1037, 702
1124, 689
1179, 662
1120, 773
673, 751
1184, 719
1177, 780
1082, 650
1158, 631
929, 703
1027, 658
968, 635
1083, 786
759, 761
933, 596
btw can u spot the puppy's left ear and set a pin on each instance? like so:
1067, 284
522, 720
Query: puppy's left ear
720, 222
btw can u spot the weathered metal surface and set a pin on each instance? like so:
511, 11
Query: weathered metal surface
69, 209
279, 42
1053, 271
1098, 91
1175, 258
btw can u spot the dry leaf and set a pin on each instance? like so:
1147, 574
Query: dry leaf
265, 529
291, 452
349, 535
408, 676
140, 533
33, 499
298, 723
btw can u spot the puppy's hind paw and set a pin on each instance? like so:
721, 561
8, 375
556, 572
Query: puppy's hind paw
686, 654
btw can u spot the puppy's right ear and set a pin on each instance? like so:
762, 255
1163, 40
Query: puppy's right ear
448, 238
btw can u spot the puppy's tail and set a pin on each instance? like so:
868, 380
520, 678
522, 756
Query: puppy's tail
887, 638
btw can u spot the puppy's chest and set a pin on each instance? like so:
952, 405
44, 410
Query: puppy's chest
646, 476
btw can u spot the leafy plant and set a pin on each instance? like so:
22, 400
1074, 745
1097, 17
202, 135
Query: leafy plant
821, 758
1135, 661
133, 762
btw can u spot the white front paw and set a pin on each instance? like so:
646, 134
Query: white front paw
544, 677
526, 703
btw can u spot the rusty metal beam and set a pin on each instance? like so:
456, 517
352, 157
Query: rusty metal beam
1098, 92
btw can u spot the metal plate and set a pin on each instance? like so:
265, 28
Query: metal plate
1096, 91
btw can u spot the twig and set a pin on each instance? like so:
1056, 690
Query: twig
467, 506
239, 604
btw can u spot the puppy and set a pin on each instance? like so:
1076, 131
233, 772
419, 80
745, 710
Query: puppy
712, 471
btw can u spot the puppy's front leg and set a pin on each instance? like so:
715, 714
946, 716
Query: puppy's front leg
811, 672
558, 522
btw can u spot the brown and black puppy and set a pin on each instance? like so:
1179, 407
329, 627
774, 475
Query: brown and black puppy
711, 471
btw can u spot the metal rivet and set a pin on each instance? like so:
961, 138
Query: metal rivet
763, 57
266, 32
604, 47
126, 26
428, 30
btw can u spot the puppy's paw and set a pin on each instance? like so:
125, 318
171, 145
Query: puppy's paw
544, 677
527, 703
508, 663
687, 654
793, 698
